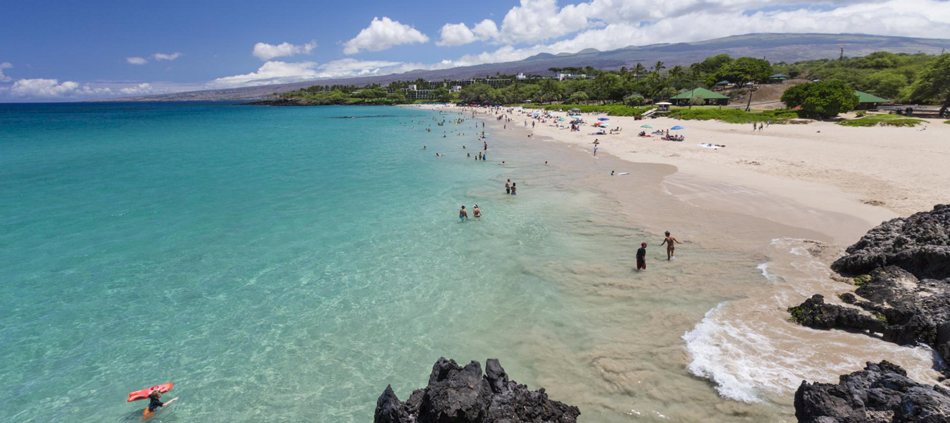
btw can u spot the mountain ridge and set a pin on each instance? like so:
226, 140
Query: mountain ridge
775, 47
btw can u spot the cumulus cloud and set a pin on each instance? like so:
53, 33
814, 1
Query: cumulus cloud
162, 56
136, 60
277, 72
459, 34
539, 26
4, 78
140, 89
266, 51
382, 34
52, 88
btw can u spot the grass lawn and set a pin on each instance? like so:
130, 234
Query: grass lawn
730, 115
883, 120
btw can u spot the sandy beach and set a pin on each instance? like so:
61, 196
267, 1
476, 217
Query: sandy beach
784, 173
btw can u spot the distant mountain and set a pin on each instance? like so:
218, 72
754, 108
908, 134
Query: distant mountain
774, 47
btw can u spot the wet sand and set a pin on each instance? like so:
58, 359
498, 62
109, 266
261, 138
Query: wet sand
706, 337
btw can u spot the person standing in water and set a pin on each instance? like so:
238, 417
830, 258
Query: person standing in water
514, 189
508, 187
154, 403
642, 257
669, 240
463, 214
476, 212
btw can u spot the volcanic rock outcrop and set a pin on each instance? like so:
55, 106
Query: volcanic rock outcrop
464, 395
881, 393
902, 270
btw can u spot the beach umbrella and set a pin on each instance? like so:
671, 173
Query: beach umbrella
604, 124
677, 127
646, 126
602, 119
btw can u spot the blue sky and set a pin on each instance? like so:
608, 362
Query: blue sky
68, 50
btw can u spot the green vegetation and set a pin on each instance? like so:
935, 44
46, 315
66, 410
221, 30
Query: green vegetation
742, 71
611, 109
732, 115
933, 84
881, 120
919, 78
887, 75
861, 280
824, 99
947, 122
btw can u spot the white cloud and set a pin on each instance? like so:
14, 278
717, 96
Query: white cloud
612, 24
162, 56
459, 34
5, 65
52, 88
140, 89
266, 51
382, 34
136, 60
456, 35
486, 30
276, 72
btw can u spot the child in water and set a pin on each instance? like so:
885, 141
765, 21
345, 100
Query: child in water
154, 403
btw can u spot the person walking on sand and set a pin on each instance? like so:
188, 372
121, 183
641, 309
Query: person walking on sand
642, 257
508, 187
463, 214
669, 240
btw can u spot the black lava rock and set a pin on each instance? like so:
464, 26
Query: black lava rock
464, 395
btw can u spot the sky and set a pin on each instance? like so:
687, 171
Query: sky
72, 51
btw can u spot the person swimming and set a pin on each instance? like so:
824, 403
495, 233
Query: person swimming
154, 403
463, 214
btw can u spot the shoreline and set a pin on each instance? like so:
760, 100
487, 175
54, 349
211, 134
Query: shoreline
782, 186
745, 344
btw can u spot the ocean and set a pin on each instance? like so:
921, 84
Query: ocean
286, 264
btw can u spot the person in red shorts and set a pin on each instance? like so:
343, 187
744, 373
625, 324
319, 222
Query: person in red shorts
642, 257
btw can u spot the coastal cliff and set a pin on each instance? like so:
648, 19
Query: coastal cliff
464, 395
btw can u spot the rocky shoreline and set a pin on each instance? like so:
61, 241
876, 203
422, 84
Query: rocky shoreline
902, 272
880, 393
464, 395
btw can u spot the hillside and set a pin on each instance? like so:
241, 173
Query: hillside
774, 47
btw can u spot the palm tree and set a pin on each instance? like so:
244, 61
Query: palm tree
658, 66
676, 73
639, 70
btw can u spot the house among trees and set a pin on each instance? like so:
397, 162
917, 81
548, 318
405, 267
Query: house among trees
869, 101
707, 97
778, 78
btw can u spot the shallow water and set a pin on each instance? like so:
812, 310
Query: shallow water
282, 264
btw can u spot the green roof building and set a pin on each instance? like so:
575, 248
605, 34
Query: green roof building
709, 97
869, 101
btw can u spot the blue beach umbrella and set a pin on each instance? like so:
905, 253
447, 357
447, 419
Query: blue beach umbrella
602, 119
677, 127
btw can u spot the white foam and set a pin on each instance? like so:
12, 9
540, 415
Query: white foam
705, 344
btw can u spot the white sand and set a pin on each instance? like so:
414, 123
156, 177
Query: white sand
784, 171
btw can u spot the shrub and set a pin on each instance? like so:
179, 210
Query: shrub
823, 99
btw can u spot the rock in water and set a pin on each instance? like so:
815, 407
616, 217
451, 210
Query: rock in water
881, 393
464, 395
902, 269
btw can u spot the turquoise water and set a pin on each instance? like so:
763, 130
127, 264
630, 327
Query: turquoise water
276, 264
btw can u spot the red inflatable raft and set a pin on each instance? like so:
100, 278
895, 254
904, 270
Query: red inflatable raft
143, 394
